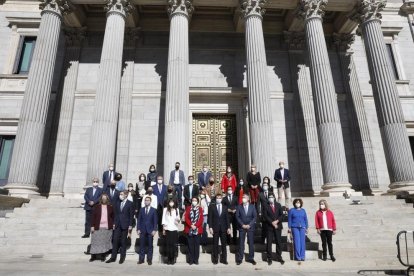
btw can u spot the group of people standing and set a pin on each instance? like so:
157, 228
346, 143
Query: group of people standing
227, 210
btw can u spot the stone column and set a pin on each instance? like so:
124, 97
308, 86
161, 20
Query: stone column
325, 100
74, 38
364, 154
260, 114
308, 144
176, 139
31, 128
105, 118
389, 111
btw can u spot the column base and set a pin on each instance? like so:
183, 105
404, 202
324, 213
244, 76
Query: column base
373, 192
339, 190
403, 188
25, 191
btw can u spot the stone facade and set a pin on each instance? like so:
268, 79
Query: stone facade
327, 122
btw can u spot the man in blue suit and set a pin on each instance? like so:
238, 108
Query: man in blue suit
124, 215
92, 195
246, 215
108, 176
160, 191
146, 228
282, 177
177, 179
203, 177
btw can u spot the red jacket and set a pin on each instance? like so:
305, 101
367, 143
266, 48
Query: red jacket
329, 217
199, 223
226, 182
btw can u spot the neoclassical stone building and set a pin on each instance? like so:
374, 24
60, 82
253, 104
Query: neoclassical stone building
325, 85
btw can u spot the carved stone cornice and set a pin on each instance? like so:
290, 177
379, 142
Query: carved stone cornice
131, 37
122, 7
74, 37
367, 10
59, 7
343, 42
311, 8
295, 40
252, 8
180, 7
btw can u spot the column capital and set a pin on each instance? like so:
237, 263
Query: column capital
252, 8
367, 10
74, 37
180, 7
311, 8
122, 7
131, 36
295, 40
59, 7
343, 42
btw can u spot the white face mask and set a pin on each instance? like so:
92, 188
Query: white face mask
229, 171
141, 179
147, 203
194, 203
281, 166
202, 196
111, 168
129, 188
265, 188
253, 169
218, 200
190, 182
322, 206
121, 197
230, 192
244, 200
297, 205
159, 181
241, 183
271, 200
171, 204
204, 169
95, 184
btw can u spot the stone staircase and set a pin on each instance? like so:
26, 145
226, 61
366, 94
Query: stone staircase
366, 235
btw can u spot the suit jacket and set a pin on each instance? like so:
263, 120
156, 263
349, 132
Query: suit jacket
270, 216
278, 178
232, 205
147, 223
249, 218
181, 176
160, 194
106, 180
263, 200
216, 221
89, 196
97, 214
202, 182
123, 219
187, 196
113, 199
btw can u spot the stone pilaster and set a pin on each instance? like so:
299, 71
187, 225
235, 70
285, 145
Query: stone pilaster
74, 39
176, 139
105, 118
307, 133
325, 101
364, 154
31, 128
389, 110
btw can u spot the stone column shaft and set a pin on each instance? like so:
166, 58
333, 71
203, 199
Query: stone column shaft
260, 116
31, 128
176, 139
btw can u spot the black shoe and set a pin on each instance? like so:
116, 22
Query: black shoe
281, 261
92, 259
238, 263
253, 262
140, 262
196, 263
122, 260
324, 258
215, 262
85, 236
149, 262
225, 262
333, 259
110, 261
269, 262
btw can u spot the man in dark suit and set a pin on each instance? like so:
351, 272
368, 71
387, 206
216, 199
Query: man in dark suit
92, 195
282, 177
263, 200
218, 221
146, 228
177, 179
273, 214
232, 201
112, 192
190, 191
124, 214
246, 216
203, 177
160, 191
108, 176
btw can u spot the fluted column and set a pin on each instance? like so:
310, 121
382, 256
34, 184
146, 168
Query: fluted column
389, 110
74, 38
325, 101
308, 144
260, 115
176, 139
31, 128
105, 118
364, 154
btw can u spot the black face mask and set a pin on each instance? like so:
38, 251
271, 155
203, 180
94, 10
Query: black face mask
211, 182
177, 167
170, 190
150, 192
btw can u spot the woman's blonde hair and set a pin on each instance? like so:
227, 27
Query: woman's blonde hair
324, 202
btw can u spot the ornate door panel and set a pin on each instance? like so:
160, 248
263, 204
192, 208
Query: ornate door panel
214, 143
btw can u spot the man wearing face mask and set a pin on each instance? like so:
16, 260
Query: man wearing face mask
113, 193
147, 225
92, 195
212, 189
190, 190
107, 177
160, 190
177, 178
282, 177
263, 201
203, 177
170, 195
273, 219
154, 199
246, 216
124, 213
231, 201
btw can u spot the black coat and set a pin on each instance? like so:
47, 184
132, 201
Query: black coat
218, 222
269, 216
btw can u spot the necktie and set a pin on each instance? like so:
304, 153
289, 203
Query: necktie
273, 208
112, 192
219, 209
245, 209
266, 195
230, 199
122, 205
94, 190
146, 211
110, 176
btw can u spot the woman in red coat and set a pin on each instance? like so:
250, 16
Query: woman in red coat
229, 179
326, 227
193, 229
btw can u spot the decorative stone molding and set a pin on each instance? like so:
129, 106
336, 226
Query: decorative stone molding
60, 7
252, 8
123, 7
131, 36
343, 42
74, 37
311, 8
295, 40
368, 10
180, 6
